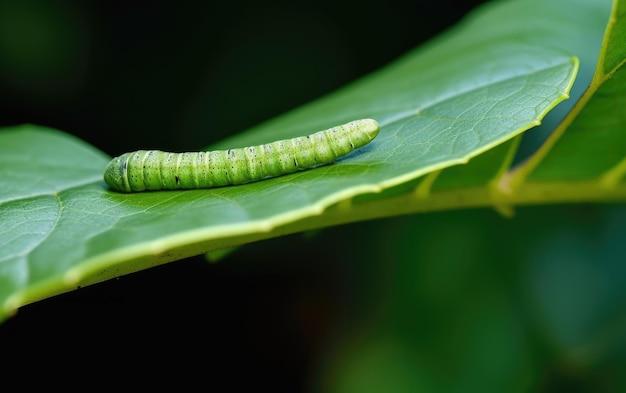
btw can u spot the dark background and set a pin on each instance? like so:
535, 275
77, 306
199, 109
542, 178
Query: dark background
436, 302
180, 75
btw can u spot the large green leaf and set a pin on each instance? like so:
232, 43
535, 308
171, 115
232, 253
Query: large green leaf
477, 86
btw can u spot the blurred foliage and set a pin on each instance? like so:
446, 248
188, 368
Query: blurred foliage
184, 75
42, 49
472, 302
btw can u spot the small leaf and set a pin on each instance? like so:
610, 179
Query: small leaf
590, 144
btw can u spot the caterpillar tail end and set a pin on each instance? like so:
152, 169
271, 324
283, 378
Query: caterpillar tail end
370, 127
114, 174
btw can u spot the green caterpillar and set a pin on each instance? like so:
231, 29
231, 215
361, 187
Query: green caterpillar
157, 170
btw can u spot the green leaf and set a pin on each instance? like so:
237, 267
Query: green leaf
589, 146
488, 80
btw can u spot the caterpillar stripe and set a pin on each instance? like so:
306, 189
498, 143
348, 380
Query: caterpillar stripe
157, 170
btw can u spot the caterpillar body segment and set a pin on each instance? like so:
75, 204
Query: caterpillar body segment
150, 170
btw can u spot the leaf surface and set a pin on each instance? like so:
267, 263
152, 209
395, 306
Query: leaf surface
589, 146
494, 76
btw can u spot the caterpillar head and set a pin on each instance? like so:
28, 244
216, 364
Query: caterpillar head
370, 127
115, 174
